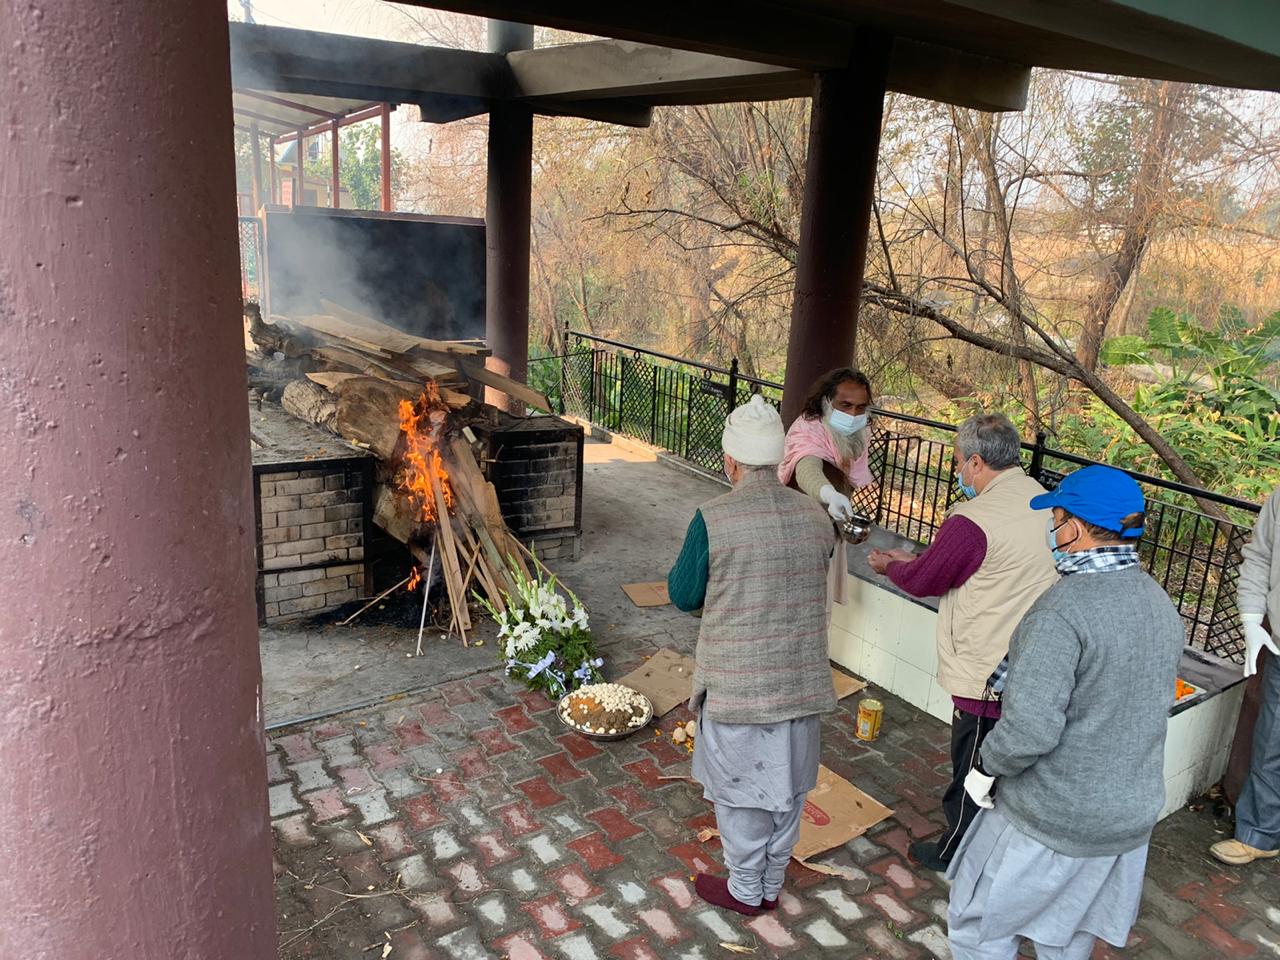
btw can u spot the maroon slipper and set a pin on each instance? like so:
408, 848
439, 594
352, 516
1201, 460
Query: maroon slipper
715, 890
768, 904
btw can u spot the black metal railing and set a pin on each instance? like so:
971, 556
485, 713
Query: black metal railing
680, 406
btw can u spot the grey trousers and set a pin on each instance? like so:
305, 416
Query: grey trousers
757, 845
966, 945
1258, 810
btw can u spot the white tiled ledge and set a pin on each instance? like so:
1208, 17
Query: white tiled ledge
889, 640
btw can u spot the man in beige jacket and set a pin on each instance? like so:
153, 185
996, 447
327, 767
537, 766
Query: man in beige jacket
988, 562
1258, 810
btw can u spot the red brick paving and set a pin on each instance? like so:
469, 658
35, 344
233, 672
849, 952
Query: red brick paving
540, 855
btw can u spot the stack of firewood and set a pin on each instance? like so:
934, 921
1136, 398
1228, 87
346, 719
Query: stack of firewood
408, 401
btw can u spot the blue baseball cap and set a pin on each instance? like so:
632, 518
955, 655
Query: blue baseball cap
1100, 495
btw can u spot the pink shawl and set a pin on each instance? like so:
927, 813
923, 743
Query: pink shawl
809, 438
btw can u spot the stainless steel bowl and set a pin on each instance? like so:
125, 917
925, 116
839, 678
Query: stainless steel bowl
648, 716
856, 528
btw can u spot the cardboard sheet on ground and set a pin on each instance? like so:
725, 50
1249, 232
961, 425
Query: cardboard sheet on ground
666, 679
648, 594
835, 812
846, 686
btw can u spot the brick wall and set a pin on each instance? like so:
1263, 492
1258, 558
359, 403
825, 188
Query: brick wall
312, 528
536, 469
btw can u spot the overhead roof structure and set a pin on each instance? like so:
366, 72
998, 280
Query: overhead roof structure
617, 81
276, 114
1235, 44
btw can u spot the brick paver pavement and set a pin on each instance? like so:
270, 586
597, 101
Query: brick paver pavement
466, 824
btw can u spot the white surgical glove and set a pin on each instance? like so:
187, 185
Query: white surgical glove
978, 785
838, 504
1256, 637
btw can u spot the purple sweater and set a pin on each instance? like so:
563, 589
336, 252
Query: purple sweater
956, 553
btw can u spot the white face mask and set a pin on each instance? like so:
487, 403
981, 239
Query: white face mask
846, 424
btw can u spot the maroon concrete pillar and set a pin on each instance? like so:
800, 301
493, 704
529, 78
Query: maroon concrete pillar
507, 222
839, 185
134, 788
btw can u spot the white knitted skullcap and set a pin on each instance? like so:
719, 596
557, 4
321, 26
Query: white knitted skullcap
753, 434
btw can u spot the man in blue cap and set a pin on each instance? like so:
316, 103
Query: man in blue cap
1058, 854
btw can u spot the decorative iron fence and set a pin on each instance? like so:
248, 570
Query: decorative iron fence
251, 263
680, 406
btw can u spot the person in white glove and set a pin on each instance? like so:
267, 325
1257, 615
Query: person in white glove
837, 504
1257, 811
825, 454
1057, 855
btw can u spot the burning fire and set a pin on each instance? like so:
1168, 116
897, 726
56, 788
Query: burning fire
423, 424
415, 578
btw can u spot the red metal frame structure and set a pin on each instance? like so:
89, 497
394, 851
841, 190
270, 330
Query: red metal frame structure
271, 110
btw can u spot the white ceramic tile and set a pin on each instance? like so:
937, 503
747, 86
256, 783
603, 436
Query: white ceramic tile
1178, 735
844, 648
851, 615
912, 684
918, 644
1177, 790
878, 666
940, 705
884, 622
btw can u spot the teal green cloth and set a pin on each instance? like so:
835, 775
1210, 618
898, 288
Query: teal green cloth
687, 581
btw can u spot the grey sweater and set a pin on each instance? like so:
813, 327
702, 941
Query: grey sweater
1079, 747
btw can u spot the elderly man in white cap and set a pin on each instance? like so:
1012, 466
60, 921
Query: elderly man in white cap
755, 562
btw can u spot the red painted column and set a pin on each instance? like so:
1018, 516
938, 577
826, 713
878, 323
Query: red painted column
839, 187
134, 788
335, 184
507, 225
386, 157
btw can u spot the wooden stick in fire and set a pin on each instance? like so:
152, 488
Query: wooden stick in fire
426, 592
380, 596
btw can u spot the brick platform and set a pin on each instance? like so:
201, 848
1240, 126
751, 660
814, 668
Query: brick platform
467, 824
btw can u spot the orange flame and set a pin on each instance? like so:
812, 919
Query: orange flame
415, 578
422, 423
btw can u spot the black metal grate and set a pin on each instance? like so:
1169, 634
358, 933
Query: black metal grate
681, 406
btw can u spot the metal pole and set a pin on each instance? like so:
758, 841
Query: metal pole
335, 185
386, 157
254, 136
271, 149
733, 385
298, 147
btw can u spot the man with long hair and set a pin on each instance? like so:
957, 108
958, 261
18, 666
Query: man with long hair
826, 447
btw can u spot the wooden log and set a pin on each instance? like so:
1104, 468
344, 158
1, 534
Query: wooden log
310, 402
368, 411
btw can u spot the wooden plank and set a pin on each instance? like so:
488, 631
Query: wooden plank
367, 328
385, 335
449, 556
512, 388
343, 333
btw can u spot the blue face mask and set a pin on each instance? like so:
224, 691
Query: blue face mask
846, 424
968, 491
1051, 536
